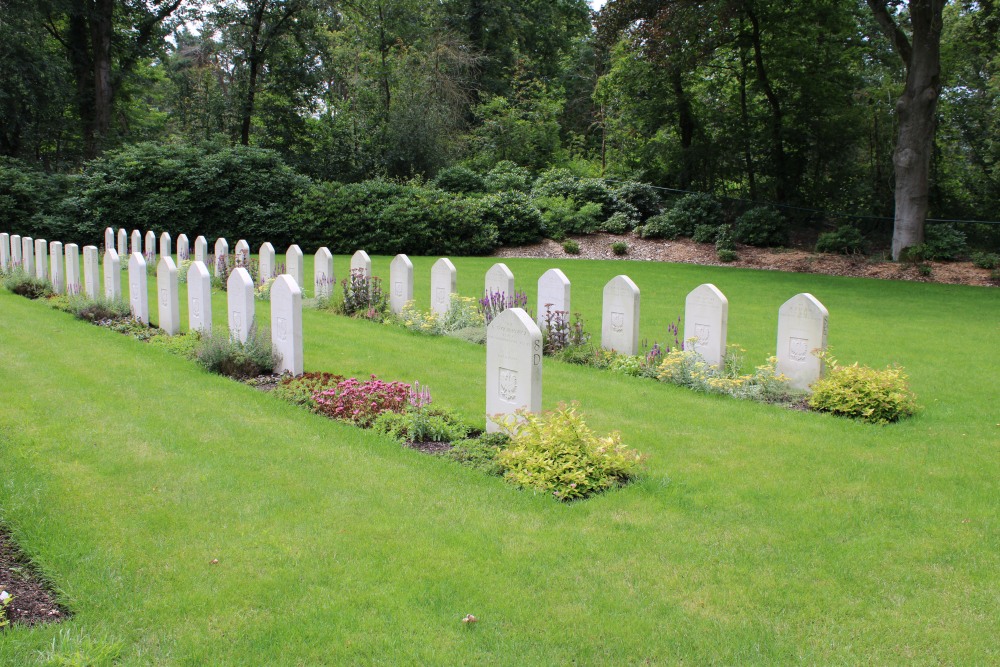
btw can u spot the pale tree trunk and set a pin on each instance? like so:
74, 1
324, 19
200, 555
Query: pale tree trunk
921, 55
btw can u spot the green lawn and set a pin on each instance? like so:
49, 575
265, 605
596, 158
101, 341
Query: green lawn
758, 534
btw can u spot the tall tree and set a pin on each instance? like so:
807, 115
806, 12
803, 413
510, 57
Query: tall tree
920, 52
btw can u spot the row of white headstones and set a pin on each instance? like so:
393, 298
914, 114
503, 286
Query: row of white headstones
514, 341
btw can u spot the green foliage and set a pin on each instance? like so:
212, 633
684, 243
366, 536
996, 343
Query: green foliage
38, 204
517, 220
861, 392
643, 197
98, 309
463, 316
20, 283
687, 368
942, 243
846, 240
726, 255
725, 239
363, 296
224, 354
480, 453
421, 425
986, 260
5, 600
693, 210
571, 247
459, 179
182, 344
762, 226
557, 453
522, 129
662, 226
563, 215
618, 223
302, 389
619, 248
506, 176
705, 233
130, 327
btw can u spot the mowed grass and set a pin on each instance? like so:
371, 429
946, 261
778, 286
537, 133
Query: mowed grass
758, 534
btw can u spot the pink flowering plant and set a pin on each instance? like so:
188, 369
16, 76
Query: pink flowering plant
361, 402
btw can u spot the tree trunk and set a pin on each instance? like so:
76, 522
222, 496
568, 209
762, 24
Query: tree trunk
253, 62
685, 122
100, 42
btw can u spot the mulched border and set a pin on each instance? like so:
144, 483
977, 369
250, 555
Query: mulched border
34, 600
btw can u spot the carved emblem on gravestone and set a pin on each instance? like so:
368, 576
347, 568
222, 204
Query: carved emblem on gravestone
282, 328
442, 296
237, 319
617, 322
508, 384
798, 349
163, 297
399, 288
135, 290
703, 332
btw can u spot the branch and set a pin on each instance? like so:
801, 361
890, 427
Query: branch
50, 26
891, 30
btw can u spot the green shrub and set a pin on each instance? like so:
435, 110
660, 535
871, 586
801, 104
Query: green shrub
861, 392
644, 198
507, 176
20, 283
301, 389
571, 247
705, 233
480, 453
618, 223
762, 227
463, 314
557, 453
619, 248
98, 309
421, 425
692, 210
725, 239
224, 354
986, 260
660, 227
182, 344
564, 215
846, 240
687, 368
459, 179
517, 219
941, 243
726, 255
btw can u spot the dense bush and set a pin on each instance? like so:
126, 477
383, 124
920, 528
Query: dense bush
33, 203
643, 197
232, 192
557, 453
224, 354
693, 210
517, 219
762, 227
564, 215
875, 396
20, 283
618, 223
725, 239
619, 248
846, 240
941, 243
660, 226
986, 260
506, 176
459, 179
571, 247
705, 233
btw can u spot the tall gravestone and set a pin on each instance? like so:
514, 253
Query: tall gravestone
706, 321
183, 249
221, 256
28, 255
242, 252
91, 275
109, 238
267, 268
444, 278
16, 259
122, 243
4, 251
323, 278
169, 302
199, 284
138, 297
294, 265
803, 324
361, 261
72, 268
239, 289
112, 275
41, 259
513, 366
286, 324
166, 247
553, 295
400, 282
201, 250
136, 241
57, 266
620, 316
500, 280
150, 247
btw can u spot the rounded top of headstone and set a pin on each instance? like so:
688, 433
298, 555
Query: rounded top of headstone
166, 263
294, 248
708, 290
240, 277
402, 259
284, 285
150, 234
324, 252
182, 236
135, 260
197, 270
165, 235
621, 283
109, 229
554, 275
361, 255
200, 239
805, 301
443, 262
111, 253
514, 319
266, 245
55, 244
501, 269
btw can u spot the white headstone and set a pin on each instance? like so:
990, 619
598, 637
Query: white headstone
41, 259
803, 323
267, 267
239, 290
199, 284
323, 278
706, 318
166, 288
553, 295
500, 280
201, 250
221, 255
183, 249
112, 275
16, 260
91, 275
122, 243
361, 260
138, 298
28, 255
295, 267
513, 366
400, 282
136, 241
286, 324
57, 267
242, 252
4, 251
72, 268
444, 277
150, 247
620, 316
109, 238
165, 245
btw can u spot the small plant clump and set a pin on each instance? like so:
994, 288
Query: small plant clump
363, 296
224, 354
726, 255
361, 402
985, 260
494, 303
687, 368
5, 600
557, 453
302, 389
846, 240
463, 316
98, 309
480, 453
861, 392
420, 424
571, 247
619, 248
20, 283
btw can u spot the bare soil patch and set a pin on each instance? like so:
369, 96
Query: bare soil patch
33, 601
598, 246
